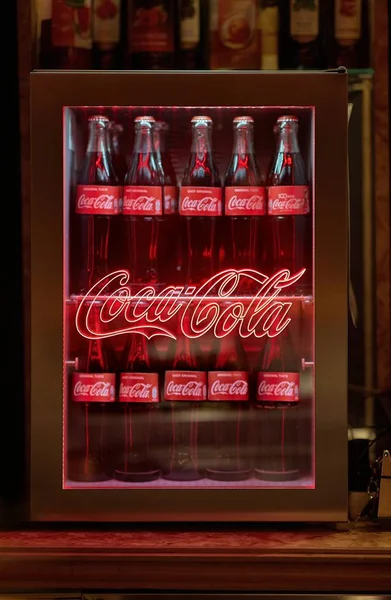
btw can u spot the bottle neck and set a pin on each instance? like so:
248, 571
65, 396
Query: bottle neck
138, 354
96, 360
98, 140
243, 141
202, 141
287, 142
144, 143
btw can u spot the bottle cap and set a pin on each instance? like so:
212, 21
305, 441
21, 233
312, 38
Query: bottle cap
243, 121
145, 121
201, 120
287, 119
101, 119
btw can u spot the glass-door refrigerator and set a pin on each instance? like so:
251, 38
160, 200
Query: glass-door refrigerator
189, 296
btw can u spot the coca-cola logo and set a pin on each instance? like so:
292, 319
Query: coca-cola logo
251, 203
232, 388
286, 202
101, 202
141, 203
102, 389
282, 388
190, 388
200, 311
138, 390
205, 204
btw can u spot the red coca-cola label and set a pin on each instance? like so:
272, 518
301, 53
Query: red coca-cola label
243, 201
278, 387
139, 387
228, 386
288, 200
170, 193
98, 199
142, 200
200, 202
188, 386
93, 387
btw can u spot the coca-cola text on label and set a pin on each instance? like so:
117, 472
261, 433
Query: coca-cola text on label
185, 386
141, 200
288, 200
93, 387
200, 202
245, 201
139, 387
278, 387
225, 386
98, 200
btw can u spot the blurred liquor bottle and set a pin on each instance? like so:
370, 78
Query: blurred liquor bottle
151, 34
269, 19
234, 34
191, 50
106, 21
44, 33
349, 45
71, 35
300, 35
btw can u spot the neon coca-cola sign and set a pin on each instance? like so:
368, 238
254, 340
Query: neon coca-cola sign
214, 307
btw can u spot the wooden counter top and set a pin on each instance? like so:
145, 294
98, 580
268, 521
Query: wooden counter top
268, 559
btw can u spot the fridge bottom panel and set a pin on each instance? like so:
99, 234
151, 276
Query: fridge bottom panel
251, 483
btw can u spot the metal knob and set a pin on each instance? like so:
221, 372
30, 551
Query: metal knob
306, 364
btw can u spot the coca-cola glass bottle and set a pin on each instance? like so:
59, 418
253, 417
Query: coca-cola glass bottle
92, 389
289, 205
184, 389
143, 204
98, 198
201, 202
139, 397
276, 419
228, 395
244, 198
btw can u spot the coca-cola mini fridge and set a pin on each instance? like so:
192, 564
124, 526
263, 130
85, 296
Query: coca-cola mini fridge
189, 296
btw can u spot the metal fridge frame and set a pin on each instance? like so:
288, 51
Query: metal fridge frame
327, 92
